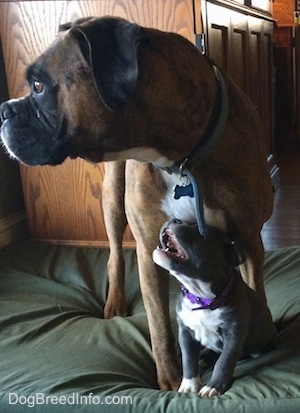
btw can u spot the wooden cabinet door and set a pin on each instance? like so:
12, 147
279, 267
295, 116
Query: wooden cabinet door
228, 42
63, 203
261, 73
242, 45
217, 24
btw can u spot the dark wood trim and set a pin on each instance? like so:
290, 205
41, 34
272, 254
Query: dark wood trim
243, 9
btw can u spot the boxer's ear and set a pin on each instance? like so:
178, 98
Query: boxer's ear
66, 26
110, 46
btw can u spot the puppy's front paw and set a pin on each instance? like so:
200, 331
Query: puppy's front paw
190, 385
214, 388
207, 391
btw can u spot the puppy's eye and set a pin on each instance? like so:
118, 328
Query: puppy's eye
38, 87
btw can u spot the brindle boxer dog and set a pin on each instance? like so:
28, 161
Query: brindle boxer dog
109, 90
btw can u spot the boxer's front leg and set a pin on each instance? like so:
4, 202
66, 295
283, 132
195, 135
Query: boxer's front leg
144, 192
113, 192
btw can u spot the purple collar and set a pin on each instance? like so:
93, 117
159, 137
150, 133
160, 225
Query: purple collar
210, 303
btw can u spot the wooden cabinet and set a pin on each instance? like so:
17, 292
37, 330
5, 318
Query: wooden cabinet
63, 203
241, 43
261, 5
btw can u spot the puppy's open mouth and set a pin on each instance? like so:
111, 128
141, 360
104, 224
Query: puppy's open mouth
171, 245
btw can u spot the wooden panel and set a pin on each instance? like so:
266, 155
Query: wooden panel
198, 24
268, 83
228, 43
218, 26
255, 36
242, 45
261, 73
27, 28
57, 196
63, 203
239, 51
283, 12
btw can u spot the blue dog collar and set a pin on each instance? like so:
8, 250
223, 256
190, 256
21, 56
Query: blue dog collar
210, 303
209, 142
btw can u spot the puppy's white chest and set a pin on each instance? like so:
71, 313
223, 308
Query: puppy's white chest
182, 208
204, 323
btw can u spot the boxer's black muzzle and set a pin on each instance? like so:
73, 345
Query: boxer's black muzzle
32, 135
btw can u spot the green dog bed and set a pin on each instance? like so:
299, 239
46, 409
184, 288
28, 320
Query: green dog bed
58, 354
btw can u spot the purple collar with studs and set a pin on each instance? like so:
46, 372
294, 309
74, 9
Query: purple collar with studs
210, 303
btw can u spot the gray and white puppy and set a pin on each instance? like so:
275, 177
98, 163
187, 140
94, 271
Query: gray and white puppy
216, 309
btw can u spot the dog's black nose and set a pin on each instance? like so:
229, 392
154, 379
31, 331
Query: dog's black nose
6, 111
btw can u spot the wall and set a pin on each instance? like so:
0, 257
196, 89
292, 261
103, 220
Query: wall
283, 12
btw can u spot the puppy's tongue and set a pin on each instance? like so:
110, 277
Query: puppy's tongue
160, 257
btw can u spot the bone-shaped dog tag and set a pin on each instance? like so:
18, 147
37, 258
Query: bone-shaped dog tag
183, 190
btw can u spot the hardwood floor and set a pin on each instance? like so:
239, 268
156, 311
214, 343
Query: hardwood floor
283, 228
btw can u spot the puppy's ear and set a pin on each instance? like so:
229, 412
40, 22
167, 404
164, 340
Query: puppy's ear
110, 47
232, 249
235, 253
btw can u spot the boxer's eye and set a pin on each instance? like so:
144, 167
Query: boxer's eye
38, 87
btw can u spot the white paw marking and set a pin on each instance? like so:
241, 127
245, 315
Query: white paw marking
190, 385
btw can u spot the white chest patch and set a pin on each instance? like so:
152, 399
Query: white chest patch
183, 208
204, 323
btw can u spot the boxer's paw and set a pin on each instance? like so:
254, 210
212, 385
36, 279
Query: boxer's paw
115, 305
190, 385
168, 369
